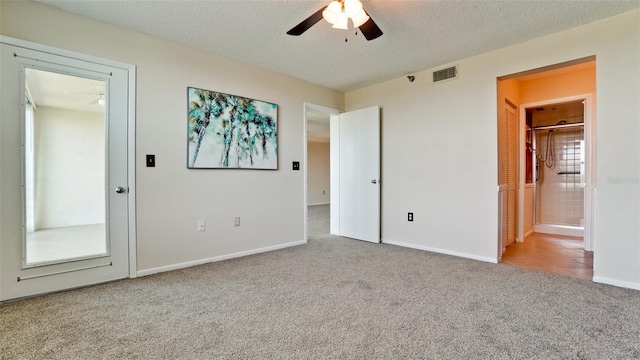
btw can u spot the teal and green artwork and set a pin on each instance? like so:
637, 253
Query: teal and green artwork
229, 131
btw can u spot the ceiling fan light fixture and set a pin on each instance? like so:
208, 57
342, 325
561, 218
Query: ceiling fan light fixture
338, 16
330, 14
101, 101
352, 8
342, 23
360, 19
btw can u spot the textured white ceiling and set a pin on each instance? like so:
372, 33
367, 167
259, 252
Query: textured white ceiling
418, 35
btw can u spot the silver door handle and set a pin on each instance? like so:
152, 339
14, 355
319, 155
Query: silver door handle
120, 190
374, 181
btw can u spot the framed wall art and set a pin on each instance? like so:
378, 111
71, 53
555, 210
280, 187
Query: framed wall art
230, 132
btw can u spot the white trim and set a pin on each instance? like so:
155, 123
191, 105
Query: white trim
590, 172
334, 175
565, 230
589, 245
217, 258
63, 53
501, 218
441, 251
131, 173
316, 204
321, 109
131, 146
624, 284
528, 233
521, 122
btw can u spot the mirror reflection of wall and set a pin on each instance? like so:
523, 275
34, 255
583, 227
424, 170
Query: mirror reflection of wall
64, 167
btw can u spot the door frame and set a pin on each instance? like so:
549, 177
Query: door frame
319, 109
131, 122
590, 153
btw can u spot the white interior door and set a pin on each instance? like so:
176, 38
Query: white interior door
355, 174
63, 173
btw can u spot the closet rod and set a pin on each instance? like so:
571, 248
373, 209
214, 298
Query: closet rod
551, 127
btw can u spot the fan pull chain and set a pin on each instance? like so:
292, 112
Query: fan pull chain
346, 35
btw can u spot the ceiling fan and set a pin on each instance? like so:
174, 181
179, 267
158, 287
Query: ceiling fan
99, 96
99, 99
338, 13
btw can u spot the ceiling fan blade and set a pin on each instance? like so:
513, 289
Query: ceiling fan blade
370, 30
307, 23
94, 101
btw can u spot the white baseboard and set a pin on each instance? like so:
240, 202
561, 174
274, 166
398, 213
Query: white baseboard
528, 233
324, 203
187, 264
624, 284
442, 251
559, 230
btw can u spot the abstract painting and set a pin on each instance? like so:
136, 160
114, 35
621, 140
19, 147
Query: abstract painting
229, 131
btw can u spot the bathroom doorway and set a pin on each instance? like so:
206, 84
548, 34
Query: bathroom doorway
558, 148
557, 177
557, 168
555, 193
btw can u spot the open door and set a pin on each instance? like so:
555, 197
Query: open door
355, 174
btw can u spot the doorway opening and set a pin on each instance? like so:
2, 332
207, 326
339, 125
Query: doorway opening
558, 146
554, 144
354, 167
317, 170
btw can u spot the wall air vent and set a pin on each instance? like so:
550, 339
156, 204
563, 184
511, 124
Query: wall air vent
445, 74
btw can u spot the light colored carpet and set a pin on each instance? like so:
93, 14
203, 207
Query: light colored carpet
318, 221
333, 298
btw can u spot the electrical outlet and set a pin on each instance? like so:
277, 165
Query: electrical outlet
410, 216
237, 221
200, 225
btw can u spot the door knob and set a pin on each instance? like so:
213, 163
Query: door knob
120, 190
374, 181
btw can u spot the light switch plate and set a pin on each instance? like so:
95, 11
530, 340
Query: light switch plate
151, 161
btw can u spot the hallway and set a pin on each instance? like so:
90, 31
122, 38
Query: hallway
562, 255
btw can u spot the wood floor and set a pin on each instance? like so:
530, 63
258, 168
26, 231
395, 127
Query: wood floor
563, 255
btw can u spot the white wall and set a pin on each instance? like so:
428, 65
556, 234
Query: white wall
439, 143
170, 198
440, 147
69, 162
318, 172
